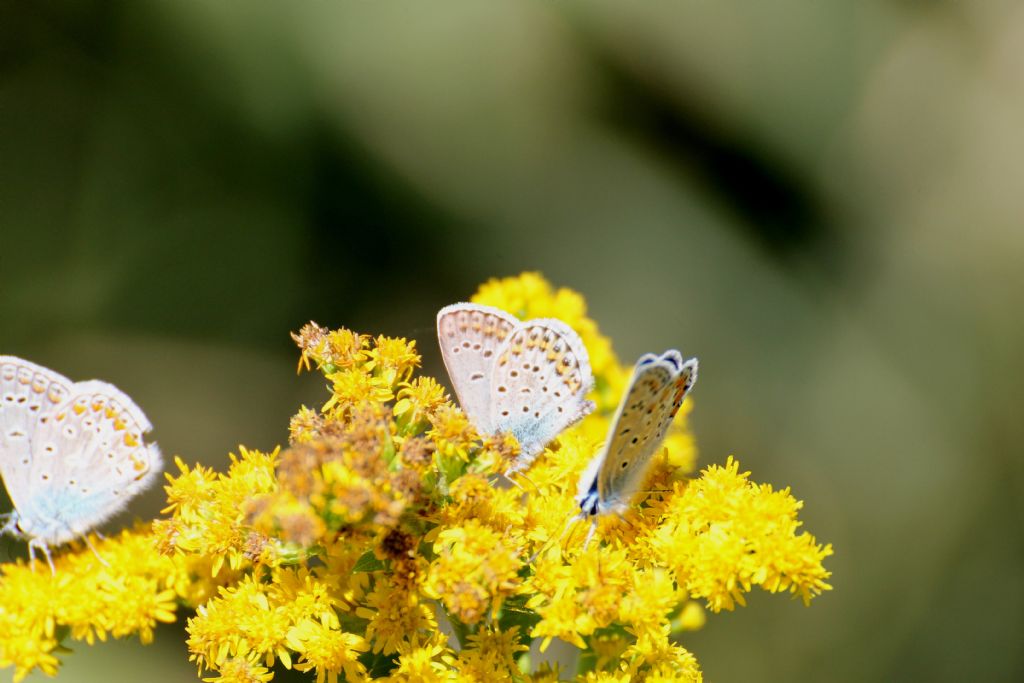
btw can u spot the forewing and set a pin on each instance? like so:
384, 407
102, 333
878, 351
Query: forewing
470, 336
27, 392
88, 460
540, 380
655, 393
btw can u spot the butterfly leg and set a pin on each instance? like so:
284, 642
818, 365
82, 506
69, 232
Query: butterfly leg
590, 534
34, 543
49, 561
536, 488
99, 558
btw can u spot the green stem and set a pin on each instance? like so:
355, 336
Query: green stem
586, 661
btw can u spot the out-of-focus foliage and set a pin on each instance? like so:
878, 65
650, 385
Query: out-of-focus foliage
821, 200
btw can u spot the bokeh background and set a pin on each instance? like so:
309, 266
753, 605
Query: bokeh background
824, 201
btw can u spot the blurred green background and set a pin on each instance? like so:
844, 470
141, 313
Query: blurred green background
824, 201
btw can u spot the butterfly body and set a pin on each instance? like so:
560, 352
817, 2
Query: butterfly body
527, 378
653, 397
71, 454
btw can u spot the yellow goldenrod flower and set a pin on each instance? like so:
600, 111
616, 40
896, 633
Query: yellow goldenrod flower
304, 426
392, 359
723, 534
428, 662
119, 587
396, 616
418, 400
328, 651
489, 654
386, 515
475, 569
242, 668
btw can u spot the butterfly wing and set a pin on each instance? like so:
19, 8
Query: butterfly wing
655, 393
88, 460
470, 336
27, 393
540, 382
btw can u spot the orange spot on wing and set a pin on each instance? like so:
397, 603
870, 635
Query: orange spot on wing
130, 441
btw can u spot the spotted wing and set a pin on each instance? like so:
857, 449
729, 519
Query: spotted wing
469, 336
88, 460
27, 392
540, 381
655, 392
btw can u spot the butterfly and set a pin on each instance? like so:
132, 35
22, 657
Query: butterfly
71, 453
656, 390
528, 378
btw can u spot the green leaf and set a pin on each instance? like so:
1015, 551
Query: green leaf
368, 563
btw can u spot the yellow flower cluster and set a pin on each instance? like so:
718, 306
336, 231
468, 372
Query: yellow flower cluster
384, 525
119, 587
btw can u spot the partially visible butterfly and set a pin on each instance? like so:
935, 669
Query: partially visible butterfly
71, 454
526, 378
655, 392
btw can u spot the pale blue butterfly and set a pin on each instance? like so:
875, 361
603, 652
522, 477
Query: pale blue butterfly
528, 378
653, 397
71, 454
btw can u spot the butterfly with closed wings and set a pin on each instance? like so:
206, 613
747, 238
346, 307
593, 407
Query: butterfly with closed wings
71, 454
653, 397
528, 378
